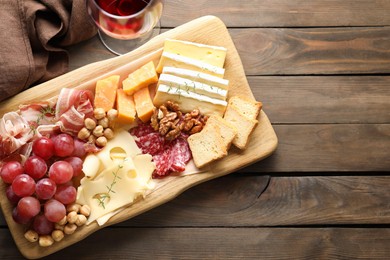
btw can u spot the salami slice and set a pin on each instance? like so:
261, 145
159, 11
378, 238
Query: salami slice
142, 130
163, 164
180, 155
152, 143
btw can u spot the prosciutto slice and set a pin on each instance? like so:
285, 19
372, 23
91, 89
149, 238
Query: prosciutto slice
38, 114
15, 132
72, 107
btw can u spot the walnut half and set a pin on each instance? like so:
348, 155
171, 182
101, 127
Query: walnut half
169, 121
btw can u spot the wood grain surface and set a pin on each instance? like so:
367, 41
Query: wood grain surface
322, 70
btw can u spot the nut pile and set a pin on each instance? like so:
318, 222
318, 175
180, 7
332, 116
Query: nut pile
76, 217
169, 121
98, 130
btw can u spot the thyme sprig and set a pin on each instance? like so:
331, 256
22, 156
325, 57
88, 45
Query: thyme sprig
45, 111
110, 188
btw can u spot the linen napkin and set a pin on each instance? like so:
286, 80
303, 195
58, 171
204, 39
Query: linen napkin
33, 35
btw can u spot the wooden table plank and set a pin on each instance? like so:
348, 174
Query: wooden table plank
324, 100
224, 243
270, 51
281, 13
242, 201
287, 201
328, 148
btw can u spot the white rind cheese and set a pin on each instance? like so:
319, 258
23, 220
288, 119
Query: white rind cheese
193, 86
178, 61
188, 100
214, 55
198, 77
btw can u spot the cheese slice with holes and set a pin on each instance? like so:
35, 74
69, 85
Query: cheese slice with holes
122, 145
193, 86
179, 61
116, 186
198, 77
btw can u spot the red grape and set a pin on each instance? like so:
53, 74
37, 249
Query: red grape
54, 210
35, 166
12, 197
42, 225
18, 218
77, 165
43, 147
63, 145
28, 207
10, 170
79, 149
23, 185
45, 188
61, 172
66, 194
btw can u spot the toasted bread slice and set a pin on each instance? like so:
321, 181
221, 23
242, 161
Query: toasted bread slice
207, 146
241, 122
246, 106
227, 130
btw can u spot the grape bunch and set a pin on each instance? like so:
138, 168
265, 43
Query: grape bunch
42, 187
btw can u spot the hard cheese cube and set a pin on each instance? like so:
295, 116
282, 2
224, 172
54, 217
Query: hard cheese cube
140, 78
105, 92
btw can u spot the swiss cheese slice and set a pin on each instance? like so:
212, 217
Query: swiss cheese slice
116, 186
122, 145
213, 55
189, 100
193, 86
178, 61
198, 77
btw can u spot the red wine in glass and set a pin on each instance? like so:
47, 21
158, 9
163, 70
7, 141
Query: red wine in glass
125, 19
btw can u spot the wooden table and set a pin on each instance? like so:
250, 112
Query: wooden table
322, 70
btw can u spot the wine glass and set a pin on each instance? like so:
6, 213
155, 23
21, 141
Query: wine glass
124, 25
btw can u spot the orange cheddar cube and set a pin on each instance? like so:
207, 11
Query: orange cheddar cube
140, 78
125, 106
143, 104
105, 92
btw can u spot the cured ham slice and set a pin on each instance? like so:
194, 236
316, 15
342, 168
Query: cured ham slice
72, 107
15, 131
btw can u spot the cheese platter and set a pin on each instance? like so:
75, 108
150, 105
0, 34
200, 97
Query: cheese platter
259, 142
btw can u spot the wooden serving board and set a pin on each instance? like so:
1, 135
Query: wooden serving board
207, 30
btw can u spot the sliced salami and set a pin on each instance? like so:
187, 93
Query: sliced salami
180, 155
152, 143
163, 164
142, 130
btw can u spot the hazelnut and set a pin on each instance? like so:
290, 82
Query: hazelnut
72, 217
45, 241
85, 210
89, 123
112, 114
84, 133
57, 235
103, 122
98, 131
81, 220
99, 113
59, 227
108, 133
101, 141
70, 228
91, 139
31, 236
62, 221
73, 207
